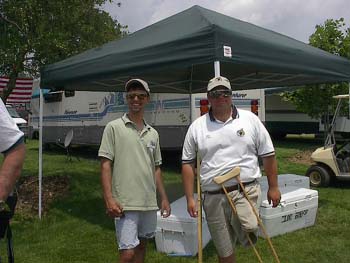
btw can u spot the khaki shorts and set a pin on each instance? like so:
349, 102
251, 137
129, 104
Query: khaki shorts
225, 227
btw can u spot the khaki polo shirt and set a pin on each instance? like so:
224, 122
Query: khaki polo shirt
134, 156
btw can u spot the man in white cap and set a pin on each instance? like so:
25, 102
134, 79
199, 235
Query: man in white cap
130, 175
225, 138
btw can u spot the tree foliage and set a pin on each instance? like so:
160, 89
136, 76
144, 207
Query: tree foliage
332, 36
34, 33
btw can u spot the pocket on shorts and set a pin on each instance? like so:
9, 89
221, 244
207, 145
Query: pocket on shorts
254, 192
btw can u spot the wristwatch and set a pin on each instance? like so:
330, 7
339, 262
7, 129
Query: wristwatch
4, 206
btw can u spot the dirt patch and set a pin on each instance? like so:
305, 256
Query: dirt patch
53, 188
302, 157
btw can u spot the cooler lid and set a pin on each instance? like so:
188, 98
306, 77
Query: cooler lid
179, 211
291, 195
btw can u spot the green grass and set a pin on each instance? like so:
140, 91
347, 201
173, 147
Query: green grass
76, 228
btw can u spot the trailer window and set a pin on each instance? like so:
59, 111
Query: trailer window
53, 96
69, 93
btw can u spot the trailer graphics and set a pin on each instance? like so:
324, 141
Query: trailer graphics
87, 113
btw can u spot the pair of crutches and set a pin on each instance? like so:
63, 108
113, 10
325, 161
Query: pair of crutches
220, 180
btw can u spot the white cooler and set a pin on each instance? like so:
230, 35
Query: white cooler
286, 180
298, 209
177, 234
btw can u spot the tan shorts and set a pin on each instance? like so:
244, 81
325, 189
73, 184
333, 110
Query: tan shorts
225, 227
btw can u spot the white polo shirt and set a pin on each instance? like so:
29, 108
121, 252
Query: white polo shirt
222, 146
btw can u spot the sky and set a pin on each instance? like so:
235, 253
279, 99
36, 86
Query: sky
294, 18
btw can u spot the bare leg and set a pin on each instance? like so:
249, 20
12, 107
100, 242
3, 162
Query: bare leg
140, 251
127, 255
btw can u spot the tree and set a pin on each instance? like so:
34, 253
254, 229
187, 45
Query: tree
34, 33
333, 36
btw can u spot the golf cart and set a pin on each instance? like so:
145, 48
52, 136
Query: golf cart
330, 160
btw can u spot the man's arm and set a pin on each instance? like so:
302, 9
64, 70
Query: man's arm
11, 170
165, 209
270, 167
188, 174
113, 208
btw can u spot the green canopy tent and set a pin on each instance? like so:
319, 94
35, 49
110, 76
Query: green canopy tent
177, 55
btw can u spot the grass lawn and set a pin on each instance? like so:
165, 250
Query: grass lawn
76, 229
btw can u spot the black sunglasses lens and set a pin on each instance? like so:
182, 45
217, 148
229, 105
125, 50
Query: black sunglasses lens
219, 93
228, 94
134, 95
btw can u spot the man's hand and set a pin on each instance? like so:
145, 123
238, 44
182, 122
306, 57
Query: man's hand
165, 209
274, 196
113, 208
192, 207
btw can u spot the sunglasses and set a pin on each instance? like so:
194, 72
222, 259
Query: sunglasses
218, 93
140, 96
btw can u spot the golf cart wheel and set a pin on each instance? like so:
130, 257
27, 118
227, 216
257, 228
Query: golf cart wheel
319, 176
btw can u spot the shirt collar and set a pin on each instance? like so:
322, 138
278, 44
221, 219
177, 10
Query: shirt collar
126, 120
234, 113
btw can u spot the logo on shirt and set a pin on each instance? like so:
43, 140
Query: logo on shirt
241, 132
151, 146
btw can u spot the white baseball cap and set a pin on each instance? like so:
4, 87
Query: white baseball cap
138, 81
218, 81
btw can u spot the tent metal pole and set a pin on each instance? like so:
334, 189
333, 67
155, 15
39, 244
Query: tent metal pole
192, 107
41, 106
217, 68
349, 99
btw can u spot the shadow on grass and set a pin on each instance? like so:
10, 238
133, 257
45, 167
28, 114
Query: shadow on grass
341, 184
81, 151
85, 195
92, 210
302, 143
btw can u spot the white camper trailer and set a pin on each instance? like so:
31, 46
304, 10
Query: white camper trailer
282, 117
87, 113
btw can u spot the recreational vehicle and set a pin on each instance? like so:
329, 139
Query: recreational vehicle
87, 113
282, 118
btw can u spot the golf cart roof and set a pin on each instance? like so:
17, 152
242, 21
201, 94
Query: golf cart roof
344, 96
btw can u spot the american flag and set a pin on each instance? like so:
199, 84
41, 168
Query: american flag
21, 93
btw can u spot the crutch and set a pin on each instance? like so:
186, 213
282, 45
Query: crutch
234, 173
199, 215
220, 180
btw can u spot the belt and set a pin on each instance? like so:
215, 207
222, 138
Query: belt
229, 188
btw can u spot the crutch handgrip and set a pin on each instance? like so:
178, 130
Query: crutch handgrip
222, 179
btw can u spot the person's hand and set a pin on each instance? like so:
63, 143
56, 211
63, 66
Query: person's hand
274, 196
165, 209
192, 207
114, 208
